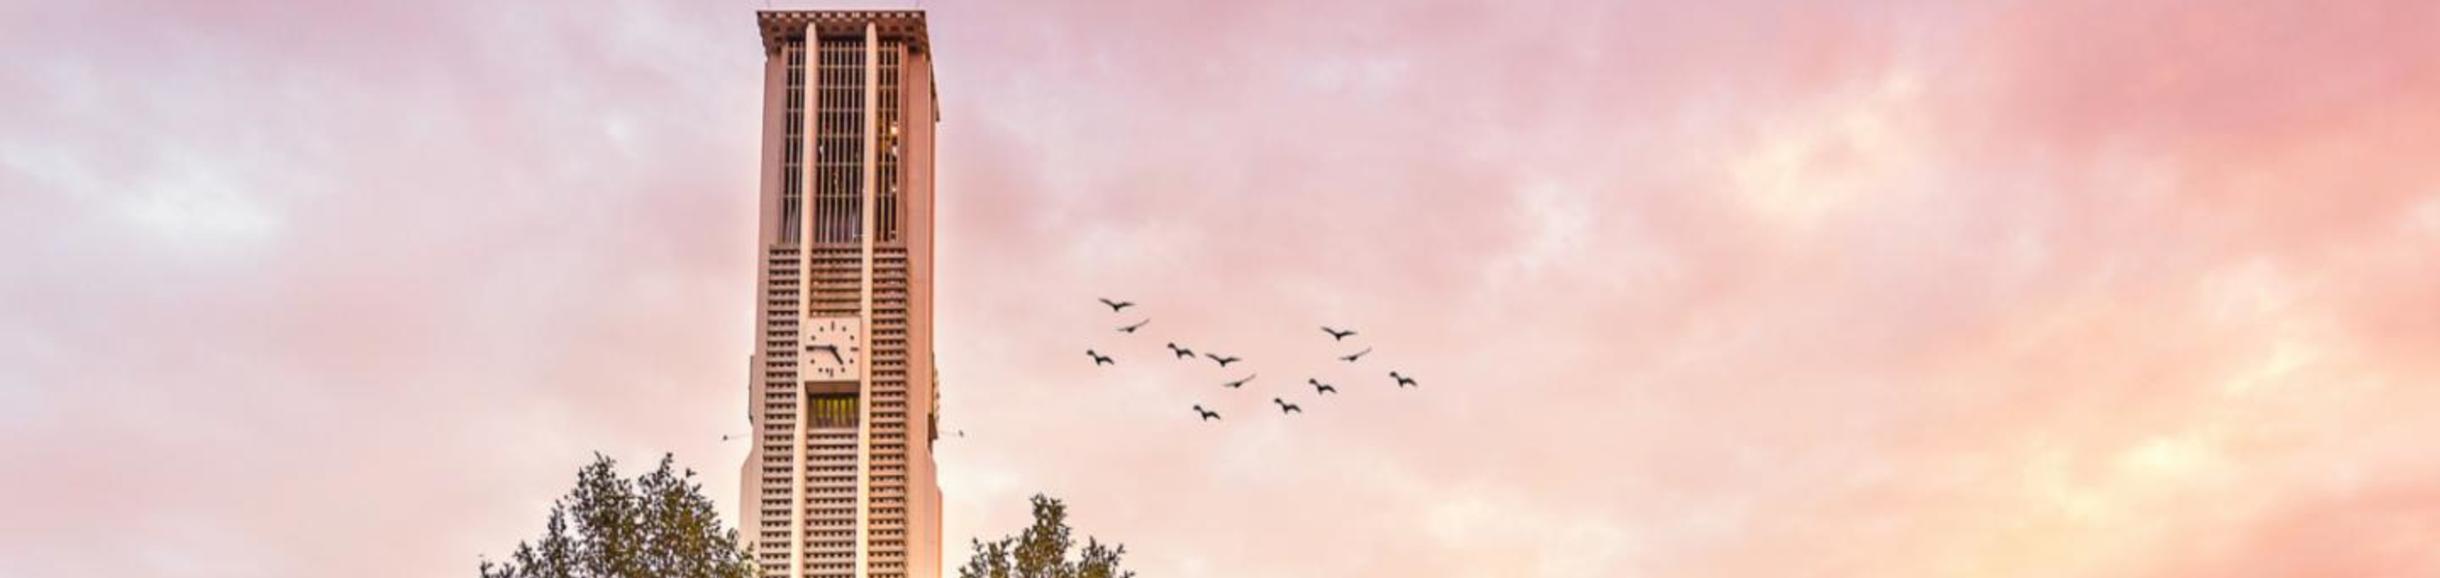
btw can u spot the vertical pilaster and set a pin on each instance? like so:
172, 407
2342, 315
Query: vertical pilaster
807, 115
923, 512
867, 233
750, 474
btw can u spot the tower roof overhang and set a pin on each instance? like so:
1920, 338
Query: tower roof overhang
783, 25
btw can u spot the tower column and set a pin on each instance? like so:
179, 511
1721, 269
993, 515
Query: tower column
846, 341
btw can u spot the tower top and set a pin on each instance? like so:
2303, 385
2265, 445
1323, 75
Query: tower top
784, 25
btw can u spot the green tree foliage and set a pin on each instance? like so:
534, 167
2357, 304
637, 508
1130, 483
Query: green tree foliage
658, 525
1041, 551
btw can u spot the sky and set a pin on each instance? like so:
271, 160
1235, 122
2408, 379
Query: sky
2073, 288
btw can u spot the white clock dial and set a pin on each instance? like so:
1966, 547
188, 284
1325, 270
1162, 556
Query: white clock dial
834, 348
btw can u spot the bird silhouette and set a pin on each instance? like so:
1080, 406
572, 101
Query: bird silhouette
961, 433
1208, 415
1132, 328
1182, 353
1319, 387
1115, 306
1352, 357
1223, 360
1403, 381
1286, 408
1338, 334
1239, 383
1099, 359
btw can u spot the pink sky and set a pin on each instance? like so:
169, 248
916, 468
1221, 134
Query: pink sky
2077, 288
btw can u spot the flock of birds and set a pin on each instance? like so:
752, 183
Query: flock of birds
1184, 353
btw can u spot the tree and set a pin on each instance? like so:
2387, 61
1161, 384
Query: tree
1041, 551
658, 525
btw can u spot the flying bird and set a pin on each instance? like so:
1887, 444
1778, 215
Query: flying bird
1223, 360
1132, 328
1182, 353
1319, 387
1338, 334
1115, 306
1287, 408
1403, 381
1208, 415
1352, 357
1239, 383
1099, 359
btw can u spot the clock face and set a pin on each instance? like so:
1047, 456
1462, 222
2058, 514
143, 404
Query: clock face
834, 348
